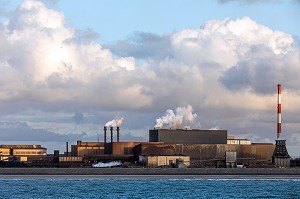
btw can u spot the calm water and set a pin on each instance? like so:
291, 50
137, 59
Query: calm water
155, 187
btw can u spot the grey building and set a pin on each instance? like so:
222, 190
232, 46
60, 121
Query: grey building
181, 136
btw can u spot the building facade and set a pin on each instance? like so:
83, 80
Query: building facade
22, 153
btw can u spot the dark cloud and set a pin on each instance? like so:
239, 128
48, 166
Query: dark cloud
143, 45
243, 77
16, 131
86, 36
78, 117
261, 71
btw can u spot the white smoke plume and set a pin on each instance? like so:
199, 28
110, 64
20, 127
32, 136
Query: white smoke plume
115, 122
182, 118
215, 128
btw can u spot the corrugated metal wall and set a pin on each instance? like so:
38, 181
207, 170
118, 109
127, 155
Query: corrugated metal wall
180, 136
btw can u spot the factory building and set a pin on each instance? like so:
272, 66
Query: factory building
212, 155
204, 148
22, 153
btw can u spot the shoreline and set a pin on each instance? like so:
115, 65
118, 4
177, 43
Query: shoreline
294, 172
152, 177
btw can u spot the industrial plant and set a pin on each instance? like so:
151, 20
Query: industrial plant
180, 148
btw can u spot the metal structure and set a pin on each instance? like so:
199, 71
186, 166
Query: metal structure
281, 157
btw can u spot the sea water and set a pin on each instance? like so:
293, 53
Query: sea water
153, 187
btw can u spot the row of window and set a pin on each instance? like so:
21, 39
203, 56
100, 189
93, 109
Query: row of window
28, 152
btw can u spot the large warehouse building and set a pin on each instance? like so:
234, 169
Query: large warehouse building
194, 136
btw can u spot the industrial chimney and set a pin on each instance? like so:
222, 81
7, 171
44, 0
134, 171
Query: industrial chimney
67, 149
279, 112
105, 129
281, 157
111, 134
118, 134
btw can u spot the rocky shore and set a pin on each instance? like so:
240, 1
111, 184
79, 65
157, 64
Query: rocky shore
149, 171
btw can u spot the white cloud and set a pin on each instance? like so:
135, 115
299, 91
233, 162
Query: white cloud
41, 56
227, 70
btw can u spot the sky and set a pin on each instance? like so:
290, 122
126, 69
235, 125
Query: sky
70, 67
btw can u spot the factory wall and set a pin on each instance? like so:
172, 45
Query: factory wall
258, 151
87, 149
248, 154
153, 148
180, 136
255, 152
84, 149
123, 148
157, 161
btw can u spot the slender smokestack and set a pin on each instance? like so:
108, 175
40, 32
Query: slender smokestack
67, 148
279, 113
111, 134
105, 129
118, 134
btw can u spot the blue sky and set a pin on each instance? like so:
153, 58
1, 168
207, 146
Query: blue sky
115, 20
69, 67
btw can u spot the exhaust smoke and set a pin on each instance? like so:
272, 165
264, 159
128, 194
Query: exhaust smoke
182, 118
115, 122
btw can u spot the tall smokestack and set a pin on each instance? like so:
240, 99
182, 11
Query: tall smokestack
105, 129
118, 134
111, 134
279, 113
67, 148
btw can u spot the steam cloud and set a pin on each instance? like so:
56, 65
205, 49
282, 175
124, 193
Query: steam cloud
215, 128
182, 118
115, 122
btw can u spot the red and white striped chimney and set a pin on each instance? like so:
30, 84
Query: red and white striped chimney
279, 113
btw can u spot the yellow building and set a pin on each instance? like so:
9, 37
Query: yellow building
23, 153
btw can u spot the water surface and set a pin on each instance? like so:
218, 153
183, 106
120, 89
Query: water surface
148, 187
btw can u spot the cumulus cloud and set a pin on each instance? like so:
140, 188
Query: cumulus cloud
86, 36
226, 69
44, 57
49, 68
143, 45
249, 55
